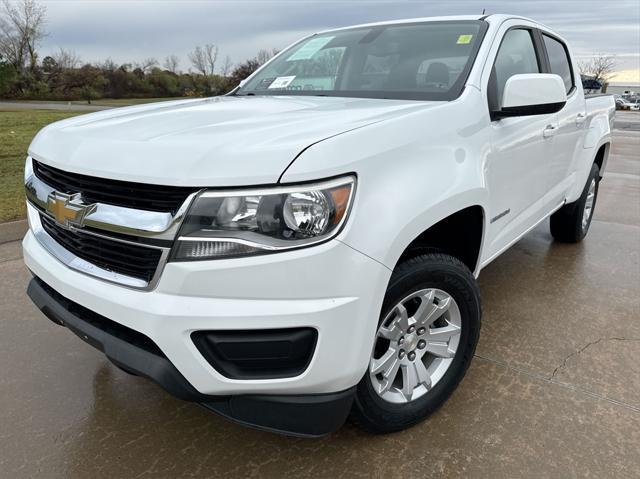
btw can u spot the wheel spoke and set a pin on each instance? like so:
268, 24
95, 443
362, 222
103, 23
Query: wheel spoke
445, 333
403, 317
384, 363
423, 374
392, 333
384, 386
426, 304
439, 349
388, 377
439, 338
409, 380
431, 311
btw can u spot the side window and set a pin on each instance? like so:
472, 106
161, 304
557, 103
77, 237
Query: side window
516, 55
559, 61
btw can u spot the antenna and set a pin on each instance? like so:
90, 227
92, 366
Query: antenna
483, 10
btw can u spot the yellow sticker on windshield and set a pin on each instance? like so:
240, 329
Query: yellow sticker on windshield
464, 39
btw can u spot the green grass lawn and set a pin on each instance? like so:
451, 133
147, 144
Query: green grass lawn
17, 129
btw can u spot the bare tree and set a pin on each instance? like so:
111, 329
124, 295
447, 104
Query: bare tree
66, 59
21, 30
147, 64
204, 59
172, 63
227, 65
600, 67
109, 65
264, 56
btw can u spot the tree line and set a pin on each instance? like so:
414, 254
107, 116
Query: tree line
63, 76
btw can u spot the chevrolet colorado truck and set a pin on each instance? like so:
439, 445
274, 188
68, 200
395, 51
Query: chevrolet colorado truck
306, 247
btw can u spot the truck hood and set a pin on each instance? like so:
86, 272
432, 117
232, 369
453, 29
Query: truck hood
221, 141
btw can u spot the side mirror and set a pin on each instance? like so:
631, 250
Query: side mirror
531, 94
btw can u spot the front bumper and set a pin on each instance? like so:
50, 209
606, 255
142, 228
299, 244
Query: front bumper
330, 287
302, 415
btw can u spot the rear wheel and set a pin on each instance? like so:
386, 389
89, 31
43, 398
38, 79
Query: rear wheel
570, 224
426, 337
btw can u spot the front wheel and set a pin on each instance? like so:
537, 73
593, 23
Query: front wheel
426, 337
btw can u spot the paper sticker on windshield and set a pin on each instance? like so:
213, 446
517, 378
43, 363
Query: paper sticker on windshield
310, 48
282, 82
264, 83
464, 39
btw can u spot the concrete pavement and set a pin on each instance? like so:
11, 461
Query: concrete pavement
553, 392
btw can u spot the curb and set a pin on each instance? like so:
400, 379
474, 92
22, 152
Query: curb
13, 230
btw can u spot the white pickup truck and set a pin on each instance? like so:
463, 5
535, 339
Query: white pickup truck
307, 246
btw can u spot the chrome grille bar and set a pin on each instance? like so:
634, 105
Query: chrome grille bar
117, 219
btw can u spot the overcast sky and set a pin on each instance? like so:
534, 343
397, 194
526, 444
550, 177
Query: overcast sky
131, 30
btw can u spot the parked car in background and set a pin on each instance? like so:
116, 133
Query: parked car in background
622, 104
626, 103
308, 246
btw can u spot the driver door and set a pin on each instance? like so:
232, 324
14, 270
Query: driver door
516, 167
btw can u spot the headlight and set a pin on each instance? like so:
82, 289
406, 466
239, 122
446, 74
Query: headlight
258, 221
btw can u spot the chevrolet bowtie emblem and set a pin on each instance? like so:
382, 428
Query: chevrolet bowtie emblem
67, 209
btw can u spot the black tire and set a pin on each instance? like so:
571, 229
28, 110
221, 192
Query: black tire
566, 223
446, 273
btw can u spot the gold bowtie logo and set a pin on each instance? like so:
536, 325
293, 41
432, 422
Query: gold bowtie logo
67, 209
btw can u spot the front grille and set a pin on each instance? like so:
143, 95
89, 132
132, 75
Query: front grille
114, 192
123, 258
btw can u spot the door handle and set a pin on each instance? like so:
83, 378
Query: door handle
580, 118
549, 131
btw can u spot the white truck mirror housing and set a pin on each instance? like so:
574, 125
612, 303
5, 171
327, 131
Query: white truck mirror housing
532, 94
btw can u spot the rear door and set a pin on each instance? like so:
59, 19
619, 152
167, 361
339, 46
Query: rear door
516, 168
571, 120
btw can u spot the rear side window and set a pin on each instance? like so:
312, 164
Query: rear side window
516, 55
559, 61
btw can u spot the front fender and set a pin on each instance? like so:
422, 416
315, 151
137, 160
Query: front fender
413, 171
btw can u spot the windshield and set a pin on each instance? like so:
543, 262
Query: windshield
417, 61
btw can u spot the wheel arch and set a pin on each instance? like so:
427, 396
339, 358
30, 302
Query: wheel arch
460, 234
598, 154
602, 157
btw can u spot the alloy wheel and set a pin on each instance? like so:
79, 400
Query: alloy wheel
415, 345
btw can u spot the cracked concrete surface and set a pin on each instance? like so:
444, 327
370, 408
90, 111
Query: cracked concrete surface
581, 350
554, 390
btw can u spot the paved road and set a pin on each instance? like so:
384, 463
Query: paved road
36, 105
553, 392
628, 120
